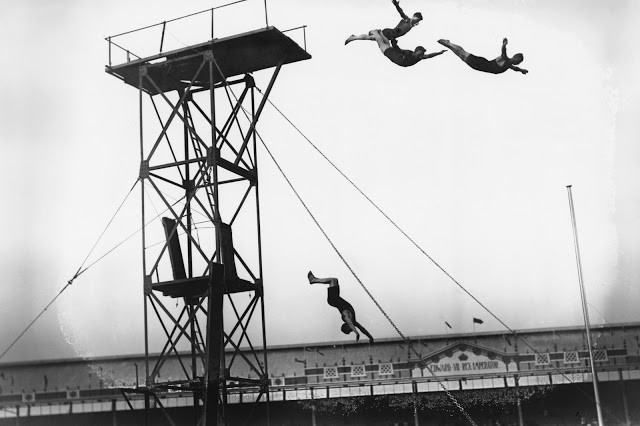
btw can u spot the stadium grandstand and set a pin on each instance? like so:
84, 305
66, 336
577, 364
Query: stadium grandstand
538, 376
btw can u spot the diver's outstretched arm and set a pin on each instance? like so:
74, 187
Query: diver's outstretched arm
522, 70
364, 331
431, 55
396, 3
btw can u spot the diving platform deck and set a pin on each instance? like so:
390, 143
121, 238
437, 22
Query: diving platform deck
235, 55
198, 286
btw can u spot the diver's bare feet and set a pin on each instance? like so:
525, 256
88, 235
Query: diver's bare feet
311, 278
444, 42
349, 39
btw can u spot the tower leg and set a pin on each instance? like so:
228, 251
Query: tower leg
214, 346
625, 402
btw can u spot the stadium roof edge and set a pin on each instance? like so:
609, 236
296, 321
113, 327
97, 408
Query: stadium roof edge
320, 345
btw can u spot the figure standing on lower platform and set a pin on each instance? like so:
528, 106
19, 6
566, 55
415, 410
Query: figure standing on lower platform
402, 57
346, 310
403, 27
496, 66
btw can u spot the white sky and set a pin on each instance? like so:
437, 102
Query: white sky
473, 166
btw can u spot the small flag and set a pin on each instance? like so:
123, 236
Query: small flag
316, 350
477, 320
448, 325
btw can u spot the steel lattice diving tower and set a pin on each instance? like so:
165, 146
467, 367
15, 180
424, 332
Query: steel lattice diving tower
204, 153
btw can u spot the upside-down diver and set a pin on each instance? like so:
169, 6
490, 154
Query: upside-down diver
346, 310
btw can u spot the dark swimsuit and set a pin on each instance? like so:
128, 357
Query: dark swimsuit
334, 299
404, 58
401, 29
481, 64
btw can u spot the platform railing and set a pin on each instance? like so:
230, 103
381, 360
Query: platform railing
304, 34
146, 36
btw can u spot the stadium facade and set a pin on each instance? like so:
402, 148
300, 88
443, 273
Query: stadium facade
539, 376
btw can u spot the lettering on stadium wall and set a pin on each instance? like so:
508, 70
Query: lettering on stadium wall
462, 363
464, 366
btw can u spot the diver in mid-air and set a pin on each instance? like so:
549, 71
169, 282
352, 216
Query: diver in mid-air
346, 310
403, 27
402, 57
495, 66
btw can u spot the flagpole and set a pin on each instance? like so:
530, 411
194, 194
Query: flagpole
585, 311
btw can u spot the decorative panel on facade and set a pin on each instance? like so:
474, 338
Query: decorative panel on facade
571, 358
330, 372
386, 369
600, 355
542, 359
358, 371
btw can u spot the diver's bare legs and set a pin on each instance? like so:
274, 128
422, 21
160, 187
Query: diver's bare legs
383, 42
353, 37
314, 280
459, 51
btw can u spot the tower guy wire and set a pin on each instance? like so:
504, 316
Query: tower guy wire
424, 252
